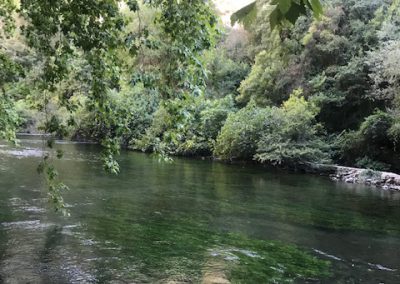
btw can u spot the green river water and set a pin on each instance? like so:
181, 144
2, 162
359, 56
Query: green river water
190, 221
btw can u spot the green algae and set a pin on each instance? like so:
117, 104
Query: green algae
179, 249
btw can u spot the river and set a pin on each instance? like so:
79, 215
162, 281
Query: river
190, 221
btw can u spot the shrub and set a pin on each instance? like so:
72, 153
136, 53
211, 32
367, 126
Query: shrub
262, 82
291, 137
373, 145
368, 163
375, 128
240, 134
133, 110
187, 126
214, 116
224, 74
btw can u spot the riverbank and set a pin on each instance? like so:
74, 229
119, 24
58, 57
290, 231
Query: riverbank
380, 179
337, 173
384, 180
369, 177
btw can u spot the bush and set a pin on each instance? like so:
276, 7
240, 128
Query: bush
394, 131
373, 145
9, 119
291, 137
261, 84
224, 74
368, 163
375, 128
187, 126
133, 110
240, 134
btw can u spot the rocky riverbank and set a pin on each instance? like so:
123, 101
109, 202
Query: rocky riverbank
384, 180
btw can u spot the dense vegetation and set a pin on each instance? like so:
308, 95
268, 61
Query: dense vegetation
168, 77
343, 64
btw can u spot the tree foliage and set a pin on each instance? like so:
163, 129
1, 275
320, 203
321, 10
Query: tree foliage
241, 132
293, 137
187, 126
94, 33
281, 11
165, 76
286, 135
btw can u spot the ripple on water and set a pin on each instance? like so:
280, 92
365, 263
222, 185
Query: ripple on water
26, 225
88, 242
23, 153
23, 205
328, 255
32, 209
229, 254
76, 274
69, 230
381, 267
15, 201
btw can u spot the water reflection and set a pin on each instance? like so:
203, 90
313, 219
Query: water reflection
189, 221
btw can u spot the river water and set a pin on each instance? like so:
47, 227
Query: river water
190, 221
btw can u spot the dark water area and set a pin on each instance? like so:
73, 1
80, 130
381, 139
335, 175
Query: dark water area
189, 221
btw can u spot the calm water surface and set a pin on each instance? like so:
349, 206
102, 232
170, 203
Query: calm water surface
190, 221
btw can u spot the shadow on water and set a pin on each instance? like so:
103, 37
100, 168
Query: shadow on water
53, 239
48, 253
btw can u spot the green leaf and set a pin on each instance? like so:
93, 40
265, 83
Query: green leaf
316, 7
133, 5
295, 12
275, 18
60, 154
284, 5
245, 15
